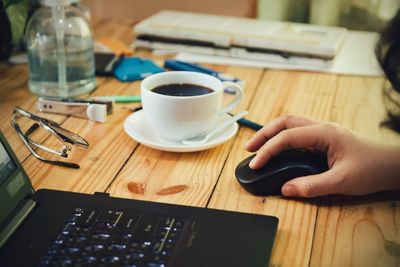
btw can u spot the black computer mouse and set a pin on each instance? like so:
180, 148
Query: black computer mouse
281, 168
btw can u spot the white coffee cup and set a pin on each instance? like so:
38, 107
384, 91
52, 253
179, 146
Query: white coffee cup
177, 118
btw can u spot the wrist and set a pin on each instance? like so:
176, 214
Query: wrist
390, 167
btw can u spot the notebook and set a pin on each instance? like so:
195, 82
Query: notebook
57, 228
275, 41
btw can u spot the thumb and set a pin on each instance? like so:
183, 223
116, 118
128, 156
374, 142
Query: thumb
311, 185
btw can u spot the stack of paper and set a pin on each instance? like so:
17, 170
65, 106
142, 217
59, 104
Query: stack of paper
280, 42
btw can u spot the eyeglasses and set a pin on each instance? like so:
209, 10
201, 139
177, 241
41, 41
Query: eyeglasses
63, 135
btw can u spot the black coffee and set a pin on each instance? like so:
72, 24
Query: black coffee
182, 89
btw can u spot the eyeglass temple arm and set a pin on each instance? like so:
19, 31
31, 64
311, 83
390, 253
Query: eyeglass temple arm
31, 129
54, 162
79, 141
54, 128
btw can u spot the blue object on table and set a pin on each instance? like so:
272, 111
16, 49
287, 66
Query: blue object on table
248, 123
134, 68
185, 66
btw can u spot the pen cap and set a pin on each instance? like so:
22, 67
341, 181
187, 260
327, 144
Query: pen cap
97, 112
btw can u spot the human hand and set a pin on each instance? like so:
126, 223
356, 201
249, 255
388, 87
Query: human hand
356, 166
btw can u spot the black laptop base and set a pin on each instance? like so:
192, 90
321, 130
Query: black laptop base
186, 236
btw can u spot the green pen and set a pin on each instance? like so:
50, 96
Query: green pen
122, 98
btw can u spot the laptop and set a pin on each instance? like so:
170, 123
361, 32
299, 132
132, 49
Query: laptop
57, 228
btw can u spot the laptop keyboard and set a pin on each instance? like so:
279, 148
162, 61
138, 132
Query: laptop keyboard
107, 237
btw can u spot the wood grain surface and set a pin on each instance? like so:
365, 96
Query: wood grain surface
330, 231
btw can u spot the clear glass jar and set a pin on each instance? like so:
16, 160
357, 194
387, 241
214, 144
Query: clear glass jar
60, 50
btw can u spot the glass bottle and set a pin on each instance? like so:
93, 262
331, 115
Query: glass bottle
84, 9
60, 50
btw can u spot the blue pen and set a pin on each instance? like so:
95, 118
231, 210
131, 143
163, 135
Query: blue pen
249, 124
185, 66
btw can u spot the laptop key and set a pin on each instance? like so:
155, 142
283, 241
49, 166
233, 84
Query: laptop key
88, 217
178, 224
146, 227
110, 259
100, 238
137, 247
77, 212
110, 217
127, 223
95, 247
73, 250
89, 259
131, 261
118, 246
166, 221
103, 227
153, 264
135, 255
161, 249
51, 251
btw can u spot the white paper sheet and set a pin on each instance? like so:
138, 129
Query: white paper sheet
356, 57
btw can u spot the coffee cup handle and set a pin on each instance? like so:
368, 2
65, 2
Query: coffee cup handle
238, 96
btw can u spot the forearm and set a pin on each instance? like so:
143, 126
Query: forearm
389, 171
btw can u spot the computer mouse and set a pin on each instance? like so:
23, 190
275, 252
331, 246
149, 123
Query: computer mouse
281, 168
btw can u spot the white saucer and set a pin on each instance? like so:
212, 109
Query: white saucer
137, 127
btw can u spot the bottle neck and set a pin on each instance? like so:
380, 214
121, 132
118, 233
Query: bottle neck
55, 3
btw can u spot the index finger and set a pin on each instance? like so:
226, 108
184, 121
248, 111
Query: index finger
274, 127
297, 138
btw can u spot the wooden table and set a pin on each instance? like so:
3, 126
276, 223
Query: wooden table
334, 231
